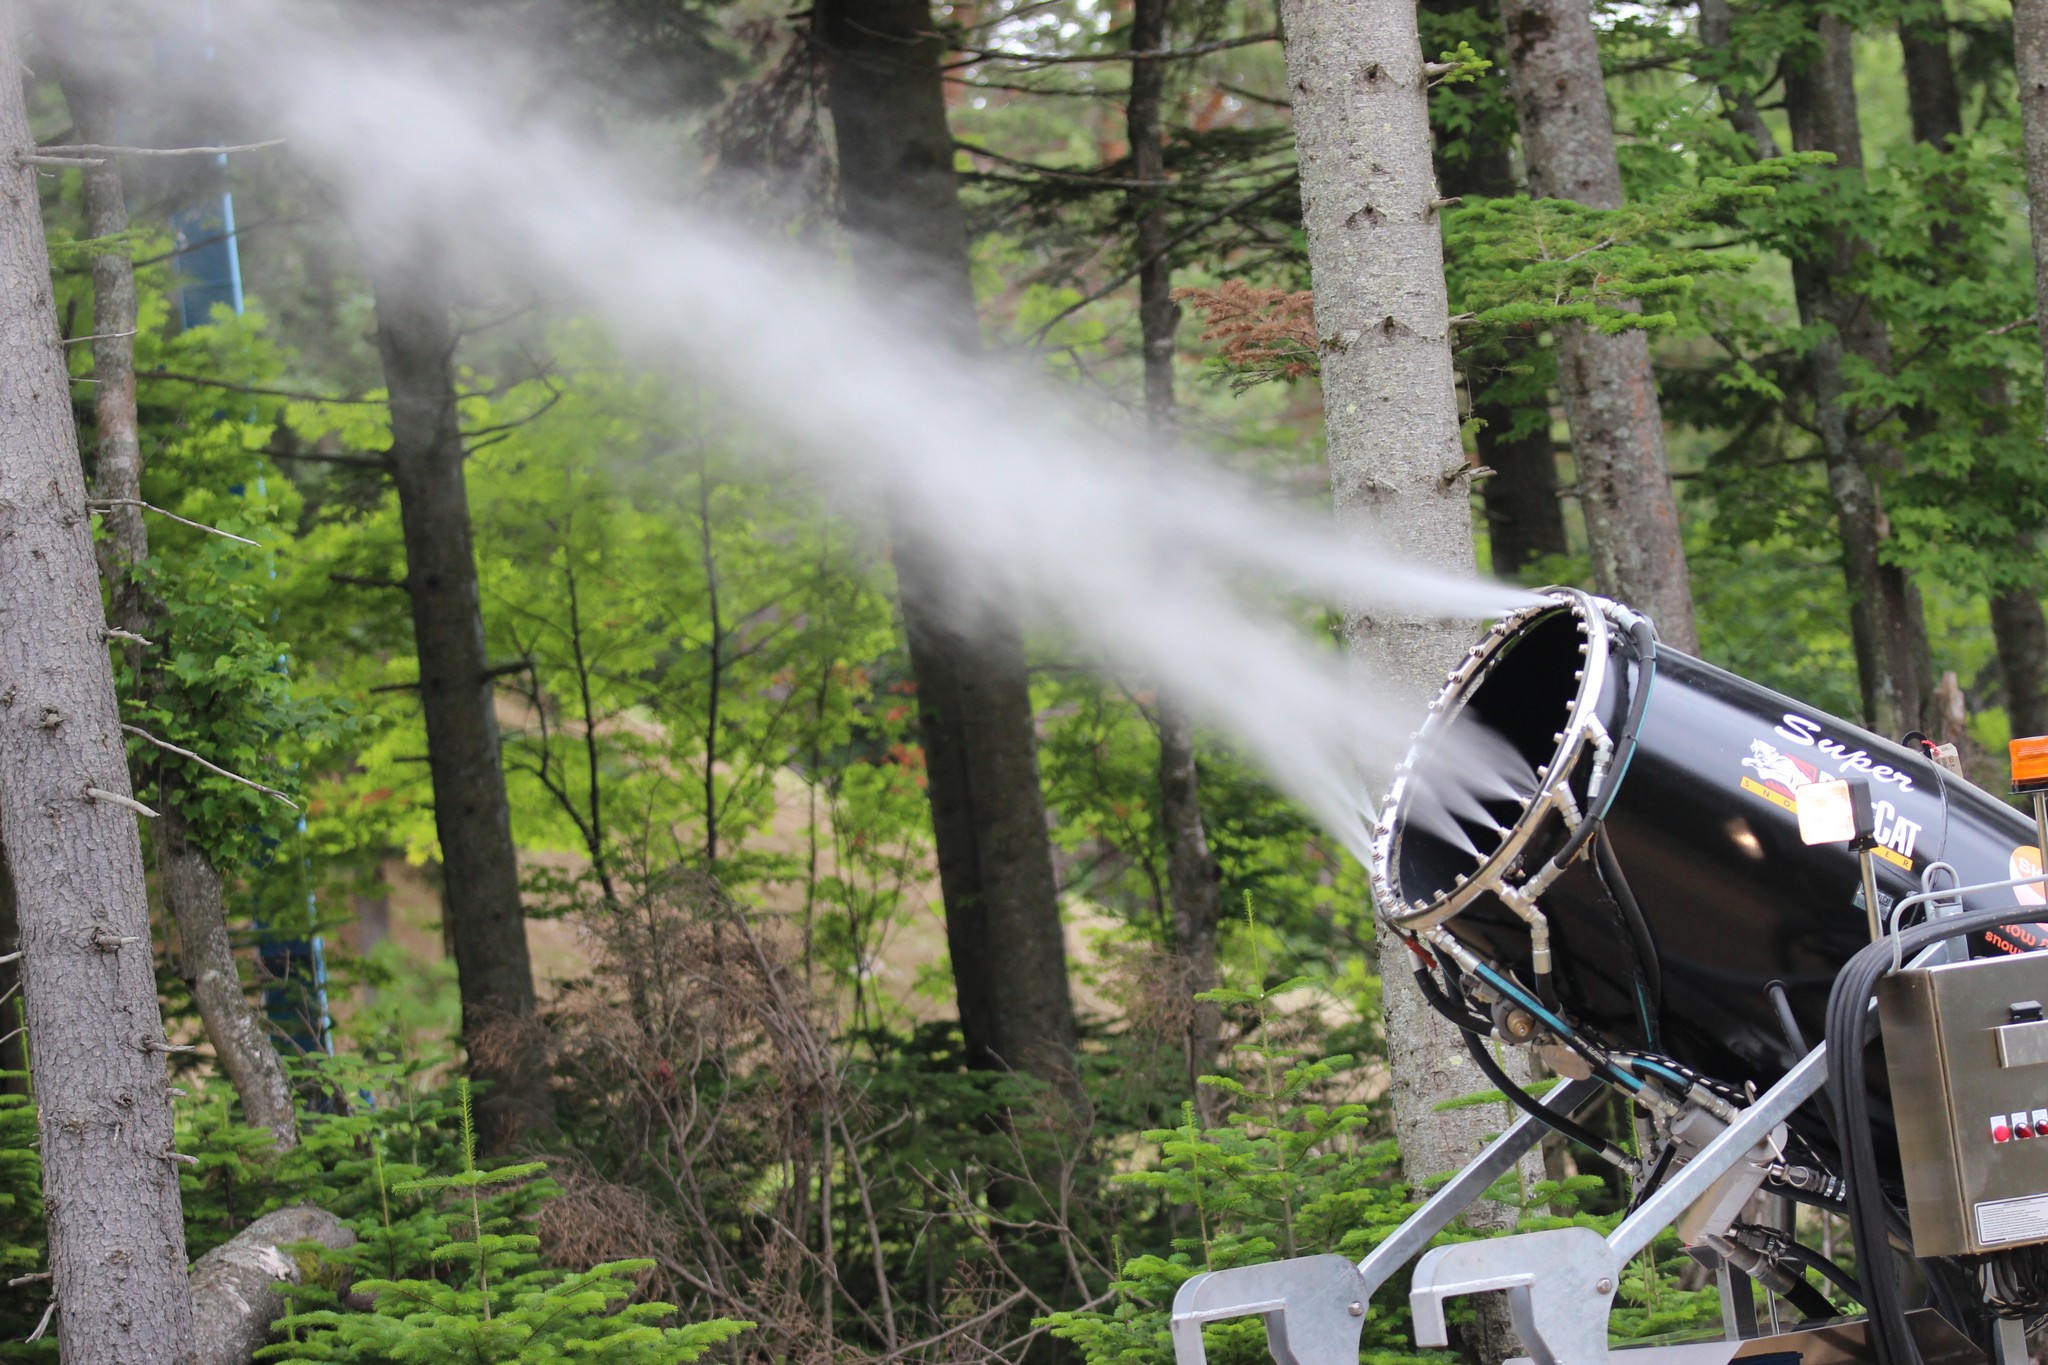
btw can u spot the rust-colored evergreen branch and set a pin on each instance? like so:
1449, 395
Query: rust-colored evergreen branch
1264, 333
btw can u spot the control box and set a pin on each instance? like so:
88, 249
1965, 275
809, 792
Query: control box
1966, 1045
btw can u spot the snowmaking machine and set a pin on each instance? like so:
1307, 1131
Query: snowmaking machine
1803, 953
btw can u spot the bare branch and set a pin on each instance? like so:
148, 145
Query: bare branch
113, 633
102, 504
98, 336
510, 666
104, 150
377, 462
116, 799
1178, 239
258, 389
554, 396
349, 580
19, 1280
211, 767
976, 55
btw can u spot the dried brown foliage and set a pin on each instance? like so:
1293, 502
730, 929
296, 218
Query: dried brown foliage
1265, 334
743, 1153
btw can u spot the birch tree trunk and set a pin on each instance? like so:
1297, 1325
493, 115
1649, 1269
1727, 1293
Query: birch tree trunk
1192, 887
1397, 465
190, 885
2023, 631
1892, 657
485, 921
899, 201
117, 1239
1609, 391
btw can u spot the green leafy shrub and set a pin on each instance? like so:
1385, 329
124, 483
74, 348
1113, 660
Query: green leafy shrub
496, 1302
1298, 1168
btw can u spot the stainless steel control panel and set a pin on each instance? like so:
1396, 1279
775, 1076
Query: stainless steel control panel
1966, 1045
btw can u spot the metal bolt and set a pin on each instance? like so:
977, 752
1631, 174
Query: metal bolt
1605, 1286
1356, 1310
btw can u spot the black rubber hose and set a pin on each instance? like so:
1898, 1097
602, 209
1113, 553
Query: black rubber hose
1782, 1003
1810, 1199
1466, 1020
1561, 1124
1655, 1177
1850, 1024
1638, 927
1827, 1270
1810, 1302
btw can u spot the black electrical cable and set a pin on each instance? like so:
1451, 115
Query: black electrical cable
1560, 1124
1477, 1028
1781, 1002
1810, 1199
1467, 1020
1655, 1177
1826, 1269
1811, 1303
1643, 636
1650, 973
1850, 1025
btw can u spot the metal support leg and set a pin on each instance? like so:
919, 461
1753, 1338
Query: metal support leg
2010, 1345
1738, 1302
1562, 1282
1560, 1286
1329, 1287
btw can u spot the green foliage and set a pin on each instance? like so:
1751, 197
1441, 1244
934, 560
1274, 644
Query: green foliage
23, 1241
1519, 261
1297, 1168
495, 1302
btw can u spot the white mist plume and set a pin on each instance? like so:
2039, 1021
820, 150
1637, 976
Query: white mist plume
1136, 551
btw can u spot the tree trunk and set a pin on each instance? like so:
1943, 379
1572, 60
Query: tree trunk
1361, 127
1524, 515
117, 1240
2017, 625
206, 959
194, 897
1892, 656
2021, 633
1738, 102
2029, 639
899, 201
1931, 93
472, 817
1192, 885
1609, 392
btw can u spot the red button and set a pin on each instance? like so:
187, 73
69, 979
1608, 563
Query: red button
2000, 1133
2023, 1131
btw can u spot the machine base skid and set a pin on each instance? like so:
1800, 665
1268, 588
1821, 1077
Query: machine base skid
1844, 1342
